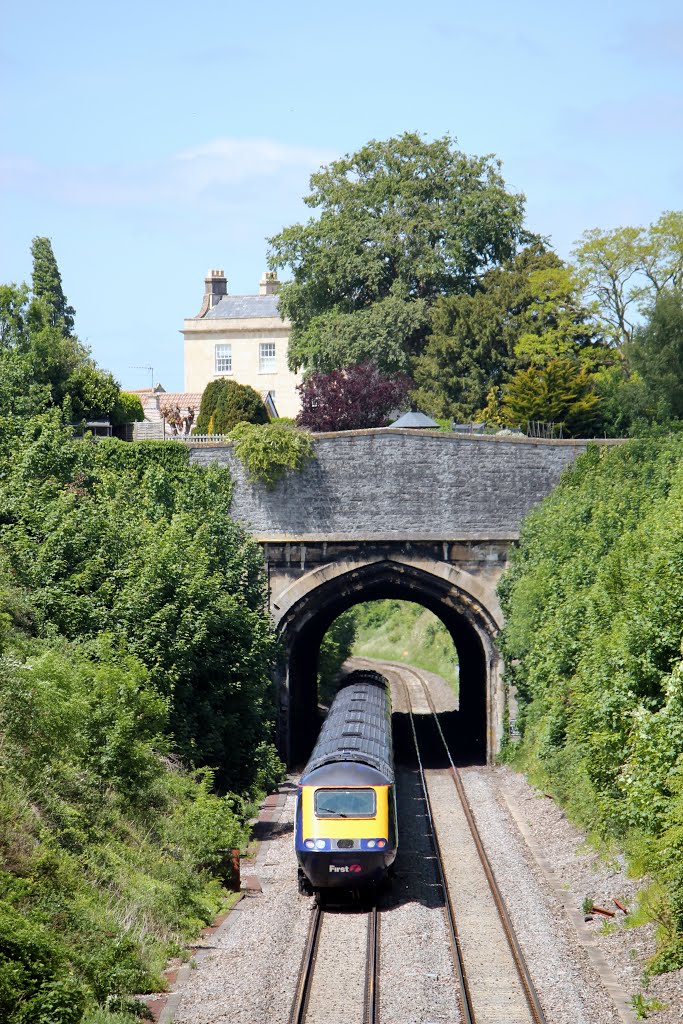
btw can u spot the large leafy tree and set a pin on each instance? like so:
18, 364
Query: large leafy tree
626, 268
400, 223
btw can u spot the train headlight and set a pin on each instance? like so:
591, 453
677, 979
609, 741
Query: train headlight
373, 844
309, 844
320, 844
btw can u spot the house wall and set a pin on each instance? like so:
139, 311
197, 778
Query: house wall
202, 336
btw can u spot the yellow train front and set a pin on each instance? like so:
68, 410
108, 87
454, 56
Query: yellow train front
345, 833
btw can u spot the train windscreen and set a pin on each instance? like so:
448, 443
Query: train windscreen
345, 803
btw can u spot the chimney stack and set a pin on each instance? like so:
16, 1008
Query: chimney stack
215, 287
269, 284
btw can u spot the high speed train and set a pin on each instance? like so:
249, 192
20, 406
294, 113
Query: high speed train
345, 826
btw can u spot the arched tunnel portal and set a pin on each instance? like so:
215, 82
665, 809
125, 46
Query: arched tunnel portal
311, 604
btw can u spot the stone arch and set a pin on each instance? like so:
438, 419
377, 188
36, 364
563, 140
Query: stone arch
467, 606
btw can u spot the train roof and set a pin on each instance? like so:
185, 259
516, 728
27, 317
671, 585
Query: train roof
357, 727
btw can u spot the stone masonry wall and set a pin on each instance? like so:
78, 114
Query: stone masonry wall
401, 484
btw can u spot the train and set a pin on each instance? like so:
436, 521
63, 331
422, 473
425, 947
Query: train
345, 833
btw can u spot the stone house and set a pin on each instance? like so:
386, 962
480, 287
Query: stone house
243, 337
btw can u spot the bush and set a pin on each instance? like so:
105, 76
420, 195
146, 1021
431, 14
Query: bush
269, 452
225, 403
131, 541
351, 399
127, 409
36, 985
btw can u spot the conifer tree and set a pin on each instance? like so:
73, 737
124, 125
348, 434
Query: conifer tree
47, 285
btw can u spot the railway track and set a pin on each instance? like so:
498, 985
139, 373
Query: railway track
494, 980
339, 974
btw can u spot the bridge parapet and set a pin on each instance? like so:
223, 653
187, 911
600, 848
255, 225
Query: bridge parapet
401, 484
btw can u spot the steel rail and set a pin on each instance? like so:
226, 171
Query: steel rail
371, 991
303, 985
456, 952
528, 986
371, 1015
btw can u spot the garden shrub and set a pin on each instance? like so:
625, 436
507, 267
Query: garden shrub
225, 403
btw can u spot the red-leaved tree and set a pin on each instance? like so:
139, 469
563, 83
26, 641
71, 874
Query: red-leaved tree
351, 399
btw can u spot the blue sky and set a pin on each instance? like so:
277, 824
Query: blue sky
151, 141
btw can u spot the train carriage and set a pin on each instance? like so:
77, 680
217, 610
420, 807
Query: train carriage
345, 833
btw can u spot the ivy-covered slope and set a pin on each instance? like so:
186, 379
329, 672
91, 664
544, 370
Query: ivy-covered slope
134, 649
594, 618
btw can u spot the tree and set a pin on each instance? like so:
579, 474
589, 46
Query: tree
358, 397
400, 223
626, 268
530, 309
47, 285
127, 409
657, 353
92, 393
559, 392
225, 403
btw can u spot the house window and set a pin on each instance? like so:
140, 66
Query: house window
266, 361
223, 358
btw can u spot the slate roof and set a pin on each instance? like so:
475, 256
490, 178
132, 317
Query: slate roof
414, 419
243, 307
357, 727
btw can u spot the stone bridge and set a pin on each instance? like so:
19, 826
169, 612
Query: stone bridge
413, 515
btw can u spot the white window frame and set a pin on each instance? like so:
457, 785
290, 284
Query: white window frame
267, 361
223, 359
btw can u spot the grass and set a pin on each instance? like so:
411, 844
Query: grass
406, 632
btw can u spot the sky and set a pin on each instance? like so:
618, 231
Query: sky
152, 141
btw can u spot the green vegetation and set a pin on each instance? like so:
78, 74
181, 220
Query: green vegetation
594, 618
134, 649
42, 363
269, 451
400, 223
407, 632
225, 403
111, 854
626, 268
131, 541
336, 647
418, 262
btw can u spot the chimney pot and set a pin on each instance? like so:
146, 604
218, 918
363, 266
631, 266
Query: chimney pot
269, 284
215, 286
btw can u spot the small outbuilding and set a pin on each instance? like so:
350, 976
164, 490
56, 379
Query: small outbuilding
415, 421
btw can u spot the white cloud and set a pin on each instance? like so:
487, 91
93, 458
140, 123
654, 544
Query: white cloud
222, 168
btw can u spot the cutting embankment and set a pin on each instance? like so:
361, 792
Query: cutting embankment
594, 617
135, 712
